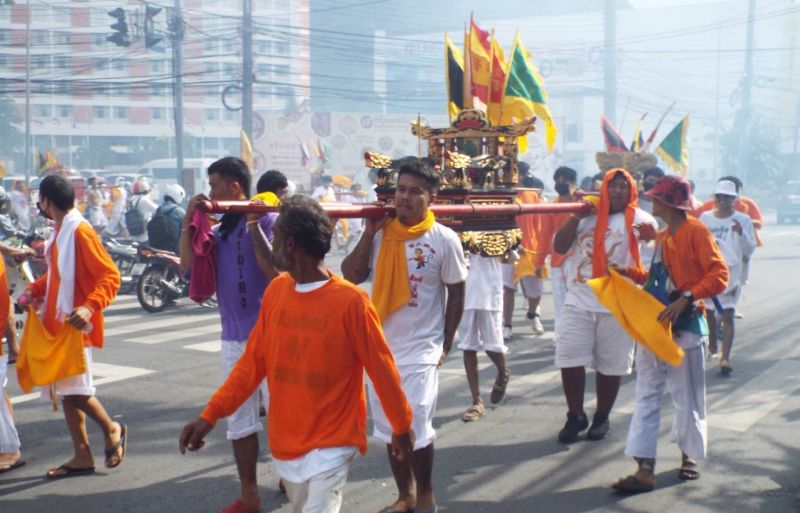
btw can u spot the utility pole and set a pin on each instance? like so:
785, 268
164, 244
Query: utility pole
609, 58
247, 68
28, 156
747, 89
177, 86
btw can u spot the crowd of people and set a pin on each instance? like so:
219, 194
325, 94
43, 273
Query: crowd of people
301, 339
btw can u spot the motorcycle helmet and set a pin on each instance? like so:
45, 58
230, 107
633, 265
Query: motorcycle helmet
175, 192
141, 187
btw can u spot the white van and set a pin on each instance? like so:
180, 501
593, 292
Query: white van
194, 178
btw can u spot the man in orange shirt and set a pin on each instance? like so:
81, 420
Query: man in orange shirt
80, 283
688, 266
315, 335
566, 180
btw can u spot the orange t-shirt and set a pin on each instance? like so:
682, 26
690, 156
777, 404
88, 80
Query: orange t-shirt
313, 348
96, 283
529, 223
550, 224
693, 260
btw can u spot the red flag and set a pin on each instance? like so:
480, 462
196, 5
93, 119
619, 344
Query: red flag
614, 142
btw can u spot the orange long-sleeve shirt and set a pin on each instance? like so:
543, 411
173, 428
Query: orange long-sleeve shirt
693, 260
549, 225
313, 348
96, 283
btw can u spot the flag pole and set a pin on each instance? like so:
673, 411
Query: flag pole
419, 136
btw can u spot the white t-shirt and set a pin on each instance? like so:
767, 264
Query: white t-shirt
578, 267
734, 247
415, 332
322, 193
19, 204
147, 207
484, 284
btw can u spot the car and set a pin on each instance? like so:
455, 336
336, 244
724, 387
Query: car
789, 202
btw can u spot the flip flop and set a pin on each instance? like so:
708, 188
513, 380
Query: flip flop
631, 485
66, 471
689, 471
499, 389
121, 443
16, 464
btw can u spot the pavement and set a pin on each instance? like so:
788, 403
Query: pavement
158, 370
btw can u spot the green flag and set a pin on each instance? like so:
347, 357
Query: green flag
673, 148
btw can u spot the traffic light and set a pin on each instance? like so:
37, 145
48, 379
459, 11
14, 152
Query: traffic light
151, 37
120, 37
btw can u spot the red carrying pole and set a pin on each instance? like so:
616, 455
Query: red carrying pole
349, 210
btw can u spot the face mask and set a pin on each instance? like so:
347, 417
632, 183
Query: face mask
42, 212
647, 186
562, 189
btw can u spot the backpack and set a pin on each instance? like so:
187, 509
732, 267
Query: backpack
164, 229
134, 219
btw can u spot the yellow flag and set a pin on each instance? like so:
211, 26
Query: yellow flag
246, 150
637, 312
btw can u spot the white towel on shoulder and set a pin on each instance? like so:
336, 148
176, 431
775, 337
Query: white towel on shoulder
64, 239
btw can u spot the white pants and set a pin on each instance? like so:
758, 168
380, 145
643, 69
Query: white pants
320, 494
245, 420
9, 439
481, 329
532, 287
559, 283
421, 386
687, 386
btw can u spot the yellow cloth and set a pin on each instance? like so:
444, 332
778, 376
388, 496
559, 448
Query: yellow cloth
268, 198
390, 289
637, 312
44, 358
526, 266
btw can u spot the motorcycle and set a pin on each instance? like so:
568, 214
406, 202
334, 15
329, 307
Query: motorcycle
161, 283
126, 258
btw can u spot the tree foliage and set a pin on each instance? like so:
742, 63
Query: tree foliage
12, 140
752, 152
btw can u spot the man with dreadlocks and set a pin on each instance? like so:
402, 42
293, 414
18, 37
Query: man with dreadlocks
241, 276
588, 335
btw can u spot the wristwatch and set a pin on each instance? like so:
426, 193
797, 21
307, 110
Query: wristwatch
688, 295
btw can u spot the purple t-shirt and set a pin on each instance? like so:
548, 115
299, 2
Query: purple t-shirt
240, 282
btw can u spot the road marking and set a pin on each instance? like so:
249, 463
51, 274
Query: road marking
103, 374
172, 336
208, 347
164, 322
744, 406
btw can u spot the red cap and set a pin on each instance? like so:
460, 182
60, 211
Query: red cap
673, 191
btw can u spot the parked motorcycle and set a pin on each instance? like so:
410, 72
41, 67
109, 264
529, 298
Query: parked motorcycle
162, 283
126, 258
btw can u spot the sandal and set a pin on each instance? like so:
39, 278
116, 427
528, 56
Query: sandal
689, 470
122, 443
473, 413
632, 484
499, 389
67, 471
725, 368
11, 466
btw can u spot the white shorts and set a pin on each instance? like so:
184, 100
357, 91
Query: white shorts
320, 494
729, 298
591, 339
245, 421
481, 329
532, 287
82, 384
421, 386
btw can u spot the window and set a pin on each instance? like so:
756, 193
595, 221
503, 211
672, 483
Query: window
230, 45
211, 143
121, 112
5, 35
100, 112
62, 38
158, 66
264, 92
100, 88
160, 89
43, 111
61, 62
3, 61
282, 71
41, 13
40, 37
230, 69
211, 91
100, 18
100, 64
63, 87
264, 72
211, 45
230, 115
64, 111
158, 114
118, 89
282, 47
120, 64
40, 61
211, 115
212, 68
99, 39
264, 47
62, 14
284, 91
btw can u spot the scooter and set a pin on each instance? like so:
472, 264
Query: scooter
161, 283
126, 258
